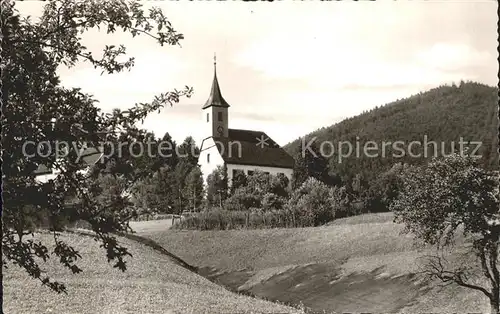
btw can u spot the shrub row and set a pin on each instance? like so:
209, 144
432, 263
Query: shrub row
220, 219
153, 217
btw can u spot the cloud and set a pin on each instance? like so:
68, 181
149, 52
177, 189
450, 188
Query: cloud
403, 44
254, 116
453, 57
293, 67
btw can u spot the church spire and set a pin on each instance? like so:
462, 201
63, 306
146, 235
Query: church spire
215, 98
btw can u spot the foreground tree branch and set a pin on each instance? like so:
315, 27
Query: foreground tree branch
37, 109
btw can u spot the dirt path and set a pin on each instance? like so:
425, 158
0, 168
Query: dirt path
149, 226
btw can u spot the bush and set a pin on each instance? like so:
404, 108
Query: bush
342, 203
242, 199
271, 201
263, 204
311, 203
385, 189
41, 218
259, 190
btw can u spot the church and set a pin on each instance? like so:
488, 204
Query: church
240, 150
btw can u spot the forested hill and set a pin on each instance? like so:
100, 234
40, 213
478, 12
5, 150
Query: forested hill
443, 114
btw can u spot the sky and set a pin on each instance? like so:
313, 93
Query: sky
289, 68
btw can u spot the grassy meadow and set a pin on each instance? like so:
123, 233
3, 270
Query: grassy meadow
153, 283
362, 263
356, 264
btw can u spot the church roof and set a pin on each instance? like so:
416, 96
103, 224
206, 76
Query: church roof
215, 98
257, 149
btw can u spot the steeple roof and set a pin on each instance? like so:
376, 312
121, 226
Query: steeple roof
215, 98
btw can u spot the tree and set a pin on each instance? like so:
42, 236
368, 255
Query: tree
239, 180
143, 196
451, 195
158, 192
259, 183
111, 189
189, 151
176, 182
272, 201
310, 162
359, 185
341, 200
243, 200
279, 185
169, 151
179, 174
312, 204
261, 190
187, 161
154, 191
38, 109
217, 186
385, 189
300, 171
194, 188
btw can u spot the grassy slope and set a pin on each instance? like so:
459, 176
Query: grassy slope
153, 283
357, 264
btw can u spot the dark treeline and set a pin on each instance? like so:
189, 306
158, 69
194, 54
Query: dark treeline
443, 114
175, 181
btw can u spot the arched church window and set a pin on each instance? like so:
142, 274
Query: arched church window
219, 114
208, 117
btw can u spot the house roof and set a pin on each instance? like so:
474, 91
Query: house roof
257, 149
89, 157
215, 98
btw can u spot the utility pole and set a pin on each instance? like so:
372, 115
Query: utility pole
220, 198
180, 202
194, 198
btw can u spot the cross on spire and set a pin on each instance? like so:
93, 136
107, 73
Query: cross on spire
215, 60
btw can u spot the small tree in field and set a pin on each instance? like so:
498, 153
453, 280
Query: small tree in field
451, 195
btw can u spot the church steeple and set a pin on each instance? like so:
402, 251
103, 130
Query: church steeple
215, 98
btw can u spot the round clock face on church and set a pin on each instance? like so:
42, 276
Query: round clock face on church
220, 129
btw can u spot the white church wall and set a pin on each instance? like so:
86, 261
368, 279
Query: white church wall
209, 164
44, 178
246, 168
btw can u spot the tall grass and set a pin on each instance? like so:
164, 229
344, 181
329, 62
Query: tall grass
220, 219
148, 217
